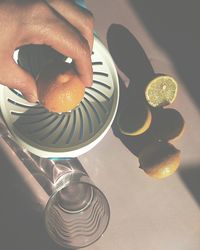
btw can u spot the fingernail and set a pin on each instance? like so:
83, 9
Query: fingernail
89, 84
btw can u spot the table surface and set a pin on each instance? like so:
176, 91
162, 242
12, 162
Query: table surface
145, 213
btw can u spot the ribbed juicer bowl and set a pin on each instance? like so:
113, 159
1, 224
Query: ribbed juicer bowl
70, 134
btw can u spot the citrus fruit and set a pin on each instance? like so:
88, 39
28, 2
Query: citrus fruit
168, 124
134, 120
59, 87
159, 160
161, 91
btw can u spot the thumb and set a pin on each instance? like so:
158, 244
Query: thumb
13, 76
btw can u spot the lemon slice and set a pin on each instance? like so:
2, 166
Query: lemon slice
135, 120
161, 91
159, 160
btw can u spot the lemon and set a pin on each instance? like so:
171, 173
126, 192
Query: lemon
161, 91
168, 124
159, 160
59, 87
134, 120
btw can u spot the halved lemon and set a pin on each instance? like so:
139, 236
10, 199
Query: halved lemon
161, 91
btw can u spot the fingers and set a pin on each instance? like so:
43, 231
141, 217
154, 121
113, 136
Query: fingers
15, 77
79, 17
68, 41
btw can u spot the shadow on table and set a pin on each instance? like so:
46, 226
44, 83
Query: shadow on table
133, 62
174, 25
131, 59
21, 224
190, 176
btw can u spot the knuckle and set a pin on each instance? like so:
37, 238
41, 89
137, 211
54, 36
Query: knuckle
21, 85
83, 48
89, 34
88, 27
89, 20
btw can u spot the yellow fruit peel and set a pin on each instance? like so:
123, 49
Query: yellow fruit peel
135, 121
160, 160
161, 91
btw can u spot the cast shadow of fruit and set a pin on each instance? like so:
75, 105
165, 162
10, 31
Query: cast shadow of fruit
179, 36
144, 127
190, 176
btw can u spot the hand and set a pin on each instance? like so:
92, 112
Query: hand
60, 24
